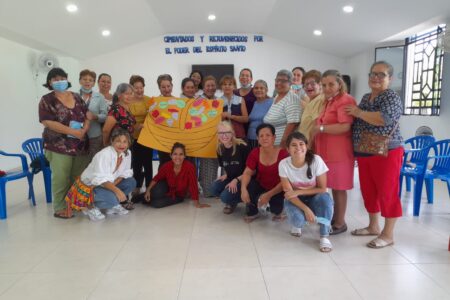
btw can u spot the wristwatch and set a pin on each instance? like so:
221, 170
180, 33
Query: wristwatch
321, 128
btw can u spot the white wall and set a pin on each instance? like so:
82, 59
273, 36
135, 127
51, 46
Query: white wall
359, 68
21, 92
149, 60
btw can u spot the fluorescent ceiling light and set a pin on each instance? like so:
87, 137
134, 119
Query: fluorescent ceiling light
71, 8
317, 32
211, 17
348, 9
106, 32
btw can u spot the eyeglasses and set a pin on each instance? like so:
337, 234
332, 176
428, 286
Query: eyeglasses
224, 133
380, 75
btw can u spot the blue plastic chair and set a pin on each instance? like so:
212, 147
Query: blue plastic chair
440, 169
414, 166
413, 157
10, 176
35, 149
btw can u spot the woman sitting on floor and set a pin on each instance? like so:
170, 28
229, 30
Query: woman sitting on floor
304, 180
111, 176
232, 154
174, 179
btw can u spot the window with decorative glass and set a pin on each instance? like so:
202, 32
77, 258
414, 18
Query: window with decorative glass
423, 80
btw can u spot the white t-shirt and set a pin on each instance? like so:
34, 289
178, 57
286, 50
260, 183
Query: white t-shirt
297, 176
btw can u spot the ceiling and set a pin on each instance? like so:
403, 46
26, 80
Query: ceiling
46, 25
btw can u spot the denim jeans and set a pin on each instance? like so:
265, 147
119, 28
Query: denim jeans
320, 204
228, 198
104, 198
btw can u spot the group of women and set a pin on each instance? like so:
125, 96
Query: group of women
277, 154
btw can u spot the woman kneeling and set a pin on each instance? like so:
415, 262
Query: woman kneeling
173, 181
111, 175
304, 181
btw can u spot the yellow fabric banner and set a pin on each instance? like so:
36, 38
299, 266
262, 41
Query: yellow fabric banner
192, 122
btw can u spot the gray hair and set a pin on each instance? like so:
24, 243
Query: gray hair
386, 64
121, 89
262, 82
336, 74
287, 74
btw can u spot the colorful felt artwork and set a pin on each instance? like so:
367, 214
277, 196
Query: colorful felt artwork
192, 122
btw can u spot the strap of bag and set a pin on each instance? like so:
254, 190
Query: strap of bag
393, 130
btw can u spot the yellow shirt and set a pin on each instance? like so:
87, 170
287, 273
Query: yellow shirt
310, 114
139, 110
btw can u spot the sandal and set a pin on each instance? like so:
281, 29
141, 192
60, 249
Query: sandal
127, 205
336, 230
249, 219
363, 232
228, 209
295, 231
63, 215
325, 245
379, 243
279, 218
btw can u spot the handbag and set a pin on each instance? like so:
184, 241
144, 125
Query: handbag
79, 197
376, 144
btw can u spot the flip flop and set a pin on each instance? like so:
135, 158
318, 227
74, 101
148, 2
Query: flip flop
63, 216
335, 230
363, 232
378, 243
279, 218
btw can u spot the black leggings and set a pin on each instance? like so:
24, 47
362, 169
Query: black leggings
254, 191
159, 198
142, 158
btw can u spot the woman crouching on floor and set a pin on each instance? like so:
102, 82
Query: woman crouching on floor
304, 180
111, 177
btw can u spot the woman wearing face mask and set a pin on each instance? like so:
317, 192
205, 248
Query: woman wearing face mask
313, 109
197, 77
260, 109
66, 121
333, 142
104, 87
246, 91
165, 86
187, 88
141, 155
208, 166
297, 83
97, 106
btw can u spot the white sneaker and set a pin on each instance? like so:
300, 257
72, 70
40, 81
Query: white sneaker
94, 214
116, 210
295, 231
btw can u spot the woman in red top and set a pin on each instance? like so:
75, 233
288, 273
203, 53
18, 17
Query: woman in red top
333, 142
266, 188
174, 179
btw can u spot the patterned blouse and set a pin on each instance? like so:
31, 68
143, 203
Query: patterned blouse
123, 117
389, 104
51, 109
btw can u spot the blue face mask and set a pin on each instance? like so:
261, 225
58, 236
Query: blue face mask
296, 86
246, 86
86, 91
60, 86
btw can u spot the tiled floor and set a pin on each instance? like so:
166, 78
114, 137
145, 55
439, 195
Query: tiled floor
181, 252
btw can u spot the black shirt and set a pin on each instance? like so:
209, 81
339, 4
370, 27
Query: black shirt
234, 165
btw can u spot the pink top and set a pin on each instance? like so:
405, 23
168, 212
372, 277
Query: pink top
335, 147
267, 176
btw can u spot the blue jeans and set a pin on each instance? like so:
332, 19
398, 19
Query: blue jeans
320, 204
104, 198
228, 198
